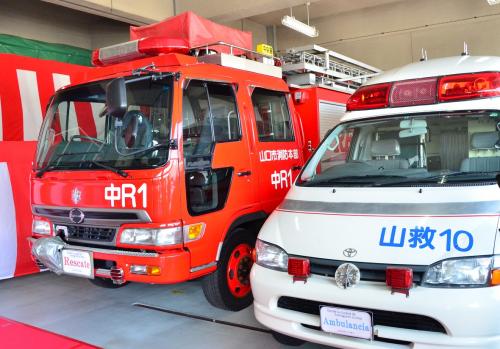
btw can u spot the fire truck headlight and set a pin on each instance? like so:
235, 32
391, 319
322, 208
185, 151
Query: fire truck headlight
460, 272
157, 237
271, 256
41, 227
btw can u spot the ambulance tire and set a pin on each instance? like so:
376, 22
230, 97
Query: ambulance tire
287, 340
216, 286
105, 283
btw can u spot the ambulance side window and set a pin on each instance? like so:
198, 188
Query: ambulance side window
272, 116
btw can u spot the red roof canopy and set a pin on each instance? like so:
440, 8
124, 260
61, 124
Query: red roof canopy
194, 31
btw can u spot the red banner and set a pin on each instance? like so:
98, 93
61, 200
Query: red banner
26, 86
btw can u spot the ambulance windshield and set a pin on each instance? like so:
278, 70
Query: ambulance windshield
78, 133
433, 149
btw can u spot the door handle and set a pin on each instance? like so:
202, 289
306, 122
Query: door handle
296, 168
244, 173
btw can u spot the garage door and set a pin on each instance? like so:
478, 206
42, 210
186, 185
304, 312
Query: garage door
329, 116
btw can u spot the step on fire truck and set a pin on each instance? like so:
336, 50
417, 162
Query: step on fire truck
161, 165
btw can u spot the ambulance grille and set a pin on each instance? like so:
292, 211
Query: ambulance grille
91, 234
380, 317
368, 271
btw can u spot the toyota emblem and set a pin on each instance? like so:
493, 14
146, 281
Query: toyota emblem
76, 216
350, 252
347, 275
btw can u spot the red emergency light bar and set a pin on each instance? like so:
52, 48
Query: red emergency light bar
130, 50
399, 279
469, 86
426, 91
299, 268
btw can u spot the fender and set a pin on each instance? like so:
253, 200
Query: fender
254, 219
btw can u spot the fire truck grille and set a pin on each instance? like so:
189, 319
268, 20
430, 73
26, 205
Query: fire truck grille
78, 232
380, 317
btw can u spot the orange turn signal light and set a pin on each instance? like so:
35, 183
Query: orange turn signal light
495, 277
153, 270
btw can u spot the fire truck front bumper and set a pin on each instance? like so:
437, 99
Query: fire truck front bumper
121, 266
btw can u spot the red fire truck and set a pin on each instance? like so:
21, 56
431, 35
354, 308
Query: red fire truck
161, 165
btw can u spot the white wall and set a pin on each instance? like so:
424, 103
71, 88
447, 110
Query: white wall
46, 22
392, 35
259, 34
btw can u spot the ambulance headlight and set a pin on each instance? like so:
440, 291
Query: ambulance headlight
460, 272
157, 237
270, 256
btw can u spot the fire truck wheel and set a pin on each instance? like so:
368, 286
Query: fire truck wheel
229, 286
105, 283
287, 340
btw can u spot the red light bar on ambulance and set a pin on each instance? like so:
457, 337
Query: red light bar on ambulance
130, 50
370, 97
413, 92
468, 86
432, 90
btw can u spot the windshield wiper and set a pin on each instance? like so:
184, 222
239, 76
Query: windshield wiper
40, 172
51, 167
109, 168
364, 180
443, 178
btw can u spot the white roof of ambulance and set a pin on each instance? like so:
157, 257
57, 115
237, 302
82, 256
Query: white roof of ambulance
439, 67
431, 68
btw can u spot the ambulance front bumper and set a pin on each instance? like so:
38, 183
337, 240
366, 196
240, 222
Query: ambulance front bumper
174, 265
470, 317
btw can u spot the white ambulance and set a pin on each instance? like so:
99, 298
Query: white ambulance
390, 236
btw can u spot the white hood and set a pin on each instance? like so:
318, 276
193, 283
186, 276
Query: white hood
410, 226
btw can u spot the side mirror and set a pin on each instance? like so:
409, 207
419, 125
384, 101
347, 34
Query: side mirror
116, 98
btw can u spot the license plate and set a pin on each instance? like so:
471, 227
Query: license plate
78, 263
346, 322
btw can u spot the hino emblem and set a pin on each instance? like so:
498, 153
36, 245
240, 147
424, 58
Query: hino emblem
76, 216
350, 252
76, 196
347, 275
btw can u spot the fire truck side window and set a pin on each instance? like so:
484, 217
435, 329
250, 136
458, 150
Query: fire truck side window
272, 116
209, 115
224, 112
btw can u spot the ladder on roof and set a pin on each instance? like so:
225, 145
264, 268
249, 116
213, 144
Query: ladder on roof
316, 65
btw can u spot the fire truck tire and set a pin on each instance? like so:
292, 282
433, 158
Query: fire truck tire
229, 286
105, 283
287, 340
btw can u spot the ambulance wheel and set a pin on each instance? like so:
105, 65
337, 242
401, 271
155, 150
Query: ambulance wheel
287, 340
105, 283
229, 286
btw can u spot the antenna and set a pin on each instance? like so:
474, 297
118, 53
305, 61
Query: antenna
466, 50
423, 57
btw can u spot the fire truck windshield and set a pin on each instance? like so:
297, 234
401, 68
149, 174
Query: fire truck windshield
78, 133
431, 149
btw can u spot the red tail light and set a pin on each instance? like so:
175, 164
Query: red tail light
299, 268
399, 279
468, 86
370, 97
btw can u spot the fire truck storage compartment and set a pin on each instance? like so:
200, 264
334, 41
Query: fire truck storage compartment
320, 109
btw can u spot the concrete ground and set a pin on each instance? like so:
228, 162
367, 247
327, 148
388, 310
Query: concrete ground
108, 318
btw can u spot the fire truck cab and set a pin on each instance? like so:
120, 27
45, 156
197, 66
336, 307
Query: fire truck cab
161, 168
389, 238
